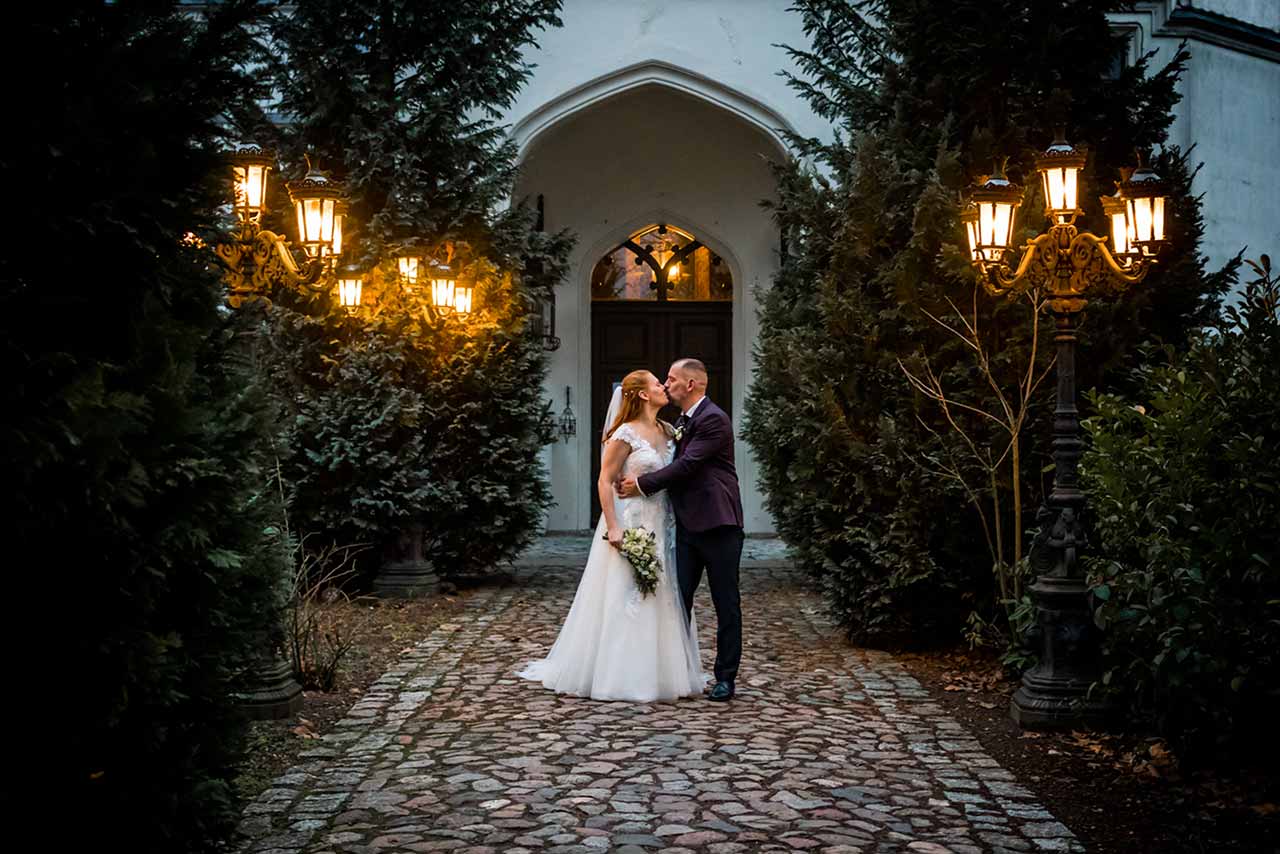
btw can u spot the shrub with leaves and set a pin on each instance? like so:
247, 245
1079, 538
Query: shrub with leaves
1184, 481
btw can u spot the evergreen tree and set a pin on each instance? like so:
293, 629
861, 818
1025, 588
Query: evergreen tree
397, 424
924, 96
134, 485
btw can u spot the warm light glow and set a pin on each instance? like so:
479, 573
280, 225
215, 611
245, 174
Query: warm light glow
1147, 214
316, 202
995, 225
673, 272
409, 270
442, 293
1121, 230
337, 234
1060, 189
997, 200
1144, 198
349, 293
316, 225
249, 168
462, 299
251, 187
1059, 166
969, 218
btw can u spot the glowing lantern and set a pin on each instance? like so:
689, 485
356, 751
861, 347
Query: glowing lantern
462, 297
1117, 213
249, 168
410, 267
969, 219
444, 286
1059, 167
316, 200
1144, 196
997, 200
350, 288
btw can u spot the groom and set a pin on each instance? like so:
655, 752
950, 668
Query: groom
703, 486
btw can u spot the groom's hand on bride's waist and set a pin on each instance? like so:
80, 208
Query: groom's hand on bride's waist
627, 488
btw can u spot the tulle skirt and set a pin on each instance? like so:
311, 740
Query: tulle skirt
616, 644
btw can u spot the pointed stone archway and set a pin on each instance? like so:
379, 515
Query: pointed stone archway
649, 144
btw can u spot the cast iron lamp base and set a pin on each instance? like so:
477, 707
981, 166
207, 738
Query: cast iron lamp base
1055, 693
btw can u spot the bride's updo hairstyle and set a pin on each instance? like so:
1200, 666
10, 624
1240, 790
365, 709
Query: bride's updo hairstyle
632, 404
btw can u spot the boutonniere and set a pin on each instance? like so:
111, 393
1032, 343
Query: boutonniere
677, 433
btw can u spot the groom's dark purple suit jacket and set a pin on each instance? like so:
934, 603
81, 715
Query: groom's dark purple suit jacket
701, 481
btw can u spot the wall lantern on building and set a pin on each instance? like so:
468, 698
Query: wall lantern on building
568, 422
1063, 265
257, 261
544, 320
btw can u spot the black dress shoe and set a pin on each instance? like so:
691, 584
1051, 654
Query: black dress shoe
722, 692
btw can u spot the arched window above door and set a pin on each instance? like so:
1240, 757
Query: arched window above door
662, 263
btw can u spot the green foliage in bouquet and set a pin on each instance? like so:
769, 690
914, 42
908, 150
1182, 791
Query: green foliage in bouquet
1185, 480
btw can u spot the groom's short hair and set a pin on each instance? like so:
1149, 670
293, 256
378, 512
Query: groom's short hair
693, 366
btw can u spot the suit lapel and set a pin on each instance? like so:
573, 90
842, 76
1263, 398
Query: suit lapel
689, 425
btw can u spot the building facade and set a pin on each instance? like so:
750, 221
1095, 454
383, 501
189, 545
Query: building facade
648, 128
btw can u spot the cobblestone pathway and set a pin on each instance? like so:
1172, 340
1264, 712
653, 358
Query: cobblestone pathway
826, 748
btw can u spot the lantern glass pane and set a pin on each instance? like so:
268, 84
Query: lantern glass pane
1061, 188
328, 209
462, 300
995, 223
409, 270
1157, 219
1140, 214
442, 293
349, 292
337, 235
256, 187
1119, 234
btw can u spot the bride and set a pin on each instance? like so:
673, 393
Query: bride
616, 643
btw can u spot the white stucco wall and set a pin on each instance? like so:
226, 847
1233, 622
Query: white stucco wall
732, 42
1230, 112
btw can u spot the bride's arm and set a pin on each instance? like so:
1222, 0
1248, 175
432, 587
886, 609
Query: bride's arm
615, 454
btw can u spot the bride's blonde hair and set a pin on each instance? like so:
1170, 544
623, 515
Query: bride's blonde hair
632, 404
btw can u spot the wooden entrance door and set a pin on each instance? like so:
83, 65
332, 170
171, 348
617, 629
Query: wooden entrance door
629, 335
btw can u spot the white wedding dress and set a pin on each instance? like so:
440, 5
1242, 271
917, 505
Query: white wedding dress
617, 644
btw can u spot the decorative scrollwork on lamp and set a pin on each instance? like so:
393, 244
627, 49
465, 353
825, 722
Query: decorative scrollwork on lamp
258, 262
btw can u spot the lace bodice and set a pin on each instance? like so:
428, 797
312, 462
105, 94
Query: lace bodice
654, 510
644, 457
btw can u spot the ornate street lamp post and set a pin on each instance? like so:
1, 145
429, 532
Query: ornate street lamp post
258, 263
1063, 264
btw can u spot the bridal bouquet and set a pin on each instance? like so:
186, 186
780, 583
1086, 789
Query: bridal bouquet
640, 548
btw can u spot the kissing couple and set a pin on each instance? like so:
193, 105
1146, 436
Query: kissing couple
678, 483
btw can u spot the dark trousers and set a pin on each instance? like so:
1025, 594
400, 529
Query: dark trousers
718, 551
